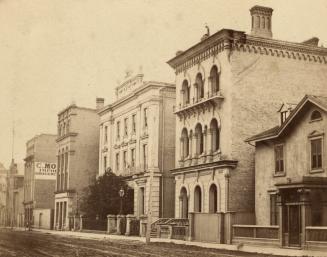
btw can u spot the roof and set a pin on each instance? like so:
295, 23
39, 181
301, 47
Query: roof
320, 101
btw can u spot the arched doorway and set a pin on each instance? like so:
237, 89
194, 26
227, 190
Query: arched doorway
183, 203
213, 199
197, 199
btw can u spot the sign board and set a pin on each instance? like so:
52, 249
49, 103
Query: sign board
45, 170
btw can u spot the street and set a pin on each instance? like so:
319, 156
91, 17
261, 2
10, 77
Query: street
34, 244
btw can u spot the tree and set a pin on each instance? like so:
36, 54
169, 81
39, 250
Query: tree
102, 197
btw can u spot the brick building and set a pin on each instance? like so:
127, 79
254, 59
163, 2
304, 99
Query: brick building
77, 159
136, 137
40, 180
229, 86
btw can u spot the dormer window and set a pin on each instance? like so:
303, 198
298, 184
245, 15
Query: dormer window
283, 116
315, 116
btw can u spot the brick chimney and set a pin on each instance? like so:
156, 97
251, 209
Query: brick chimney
99, 103
261, 21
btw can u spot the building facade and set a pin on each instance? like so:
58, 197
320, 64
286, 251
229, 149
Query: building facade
15, 195
229, 86
3, 194
40, 181
77, 159
290, 170
137, 137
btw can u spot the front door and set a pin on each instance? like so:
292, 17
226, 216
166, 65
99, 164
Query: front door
294, 225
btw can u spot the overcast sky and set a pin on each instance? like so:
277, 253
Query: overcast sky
53, 52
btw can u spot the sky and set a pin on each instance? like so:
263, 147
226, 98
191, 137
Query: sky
55, 52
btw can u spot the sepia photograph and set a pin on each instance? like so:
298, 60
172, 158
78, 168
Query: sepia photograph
163, 128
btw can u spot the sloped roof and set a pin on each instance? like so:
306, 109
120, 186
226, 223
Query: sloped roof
320, 101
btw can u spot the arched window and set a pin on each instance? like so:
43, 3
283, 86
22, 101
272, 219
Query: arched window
197, 199
183, 203
185, 92
213, 198
214, 79
215, 138
200, 86
185, 143
199, 139
315, 115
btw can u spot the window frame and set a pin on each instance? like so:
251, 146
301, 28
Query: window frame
134, 123
279, 173
316, 119
126, 127
321, 139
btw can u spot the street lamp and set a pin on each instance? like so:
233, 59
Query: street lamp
121, 195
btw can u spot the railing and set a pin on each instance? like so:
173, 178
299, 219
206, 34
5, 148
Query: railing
255, 231
317, 234
179, 232
94, 224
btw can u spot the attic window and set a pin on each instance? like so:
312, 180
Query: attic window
316, 115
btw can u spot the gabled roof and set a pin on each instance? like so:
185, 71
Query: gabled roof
320, 101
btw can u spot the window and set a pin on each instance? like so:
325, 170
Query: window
215, 135
185, 93
105, 134
197, 199
145, 113
133, 123
279, 159
283, 116
117, 161
126, 126
199, 139
199, 86
133, 157
145, 156
214, 79
316, 115
316, 153
125, 159
185, 144
274, 213
118, 130
104, 163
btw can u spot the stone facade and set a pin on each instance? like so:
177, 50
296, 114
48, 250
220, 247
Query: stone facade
40, 179
292, 179
77, 159
136, 137
255, 75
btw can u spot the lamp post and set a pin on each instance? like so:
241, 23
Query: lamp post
121, 195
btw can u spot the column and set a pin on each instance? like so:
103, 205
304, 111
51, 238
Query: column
112, 223
181, 145
60, 216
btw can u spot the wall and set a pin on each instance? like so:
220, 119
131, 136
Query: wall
46, 218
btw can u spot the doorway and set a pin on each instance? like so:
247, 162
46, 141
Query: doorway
292, 225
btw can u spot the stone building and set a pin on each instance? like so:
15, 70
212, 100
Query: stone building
15, 195
290, 171
3, 194
40, 180
136, 137
229, 86
77, 159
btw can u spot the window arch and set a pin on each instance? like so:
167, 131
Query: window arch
185, 143
183, 203
213, 199
214, 79
315, 115
200, 86
197, 199
215, 135
185, 92
199, 139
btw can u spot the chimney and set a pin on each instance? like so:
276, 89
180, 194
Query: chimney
261, 21
99, 103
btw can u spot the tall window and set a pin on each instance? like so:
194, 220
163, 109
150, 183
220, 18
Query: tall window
118, 129
215, 133
197, 199
316, 153
117, 162
279, 159
185, 144
133, 123
126, 126
199, 139
274, 211
105, 134
66, 169
145, 116
214, 79
213, 199
145, 156
199, 85
104, 163
133, 157
185, 93
125, 159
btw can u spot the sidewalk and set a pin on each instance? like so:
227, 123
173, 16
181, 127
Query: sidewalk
249, 249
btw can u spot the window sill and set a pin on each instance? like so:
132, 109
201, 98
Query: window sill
279, 174
316, 171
